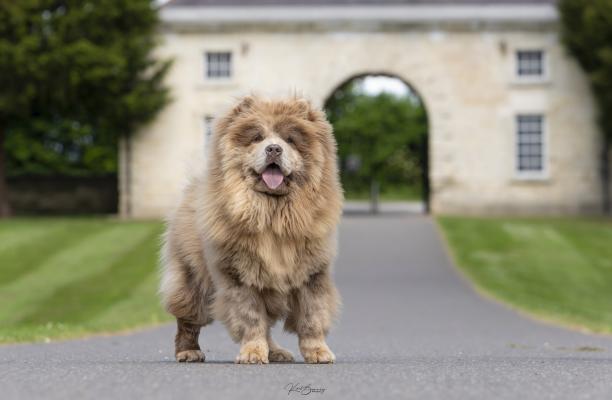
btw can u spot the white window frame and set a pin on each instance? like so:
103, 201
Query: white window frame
205, 65
536, 175
530, 79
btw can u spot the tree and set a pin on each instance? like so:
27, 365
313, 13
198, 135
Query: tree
74, 72
59, 147
385, 132
587, 33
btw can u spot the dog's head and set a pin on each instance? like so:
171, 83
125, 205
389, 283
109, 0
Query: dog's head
274, 147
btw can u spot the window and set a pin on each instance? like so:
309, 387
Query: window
530, 64
530, 144
208, 129
218, 65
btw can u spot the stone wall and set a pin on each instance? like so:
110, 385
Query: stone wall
465, 79
63, 195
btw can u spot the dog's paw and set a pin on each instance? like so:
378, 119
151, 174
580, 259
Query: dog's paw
190, 356
280, 355
253, 353
319, 355
316, 351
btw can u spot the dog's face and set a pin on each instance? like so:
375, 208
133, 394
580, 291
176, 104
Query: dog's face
276, 146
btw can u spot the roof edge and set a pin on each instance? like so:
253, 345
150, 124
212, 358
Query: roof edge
414, 14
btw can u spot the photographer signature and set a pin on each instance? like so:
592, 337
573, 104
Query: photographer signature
302, 389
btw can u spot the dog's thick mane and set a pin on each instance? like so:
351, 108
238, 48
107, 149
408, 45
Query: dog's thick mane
311, 210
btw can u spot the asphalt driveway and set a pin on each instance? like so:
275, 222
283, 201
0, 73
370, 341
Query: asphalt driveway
411, 328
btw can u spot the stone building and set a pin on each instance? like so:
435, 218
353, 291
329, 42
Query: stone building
512, 125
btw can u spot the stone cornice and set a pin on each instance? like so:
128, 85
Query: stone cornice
526, 16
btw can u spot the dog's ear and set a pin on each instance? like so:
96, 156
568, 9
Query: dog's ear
245, 104
242, 105
306, 108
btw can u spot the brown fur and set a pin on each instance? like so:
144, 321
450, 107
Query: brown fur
247, 255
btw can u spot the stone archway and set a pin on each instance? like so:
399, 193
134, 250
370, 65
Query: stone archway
424, 147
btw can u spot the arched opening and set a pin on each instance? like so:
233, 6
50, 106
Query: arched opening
381, 126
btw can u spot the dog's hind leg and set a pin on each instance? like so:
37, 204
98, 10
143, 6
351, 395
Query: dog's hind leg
276, 352
187, 348
188, 298
190, 318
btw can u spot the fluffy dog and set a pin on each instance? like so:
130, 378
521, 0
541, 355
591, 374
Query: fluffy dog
254, 238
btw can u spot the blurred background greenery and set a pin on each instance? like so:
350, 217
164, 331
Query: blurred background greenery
380, 124
75, 78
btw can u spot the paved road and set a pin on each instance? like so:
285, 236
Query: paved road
411, 329
388, 207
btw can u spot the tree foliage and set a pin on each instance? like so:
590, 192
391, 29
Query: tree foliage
385, 132
74, 76
587, 33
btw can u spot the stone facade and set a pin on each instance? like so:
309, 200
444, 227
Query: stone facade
464, 69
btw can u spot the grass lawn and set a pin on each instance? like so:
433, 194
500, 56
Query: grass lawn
555, 269
62, 278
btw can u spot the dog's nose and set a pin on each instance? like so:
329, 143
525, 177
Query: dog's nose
274, 150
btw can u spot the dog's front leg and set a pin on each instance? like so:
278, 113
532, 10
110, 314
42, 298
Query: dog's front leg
313, 308
243, 312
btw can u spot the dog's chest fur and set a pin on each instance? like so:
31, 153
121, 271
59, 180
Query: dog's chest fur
267, 261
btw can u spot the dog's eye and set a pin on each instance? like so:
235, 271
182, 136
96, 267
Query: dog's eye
294, 137
257, 138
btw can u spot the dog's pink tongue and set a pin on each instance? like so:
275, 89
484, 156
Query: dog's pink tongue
273, 177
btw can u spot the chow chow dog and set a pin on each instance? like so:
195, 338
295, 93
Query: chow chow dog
254, 238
